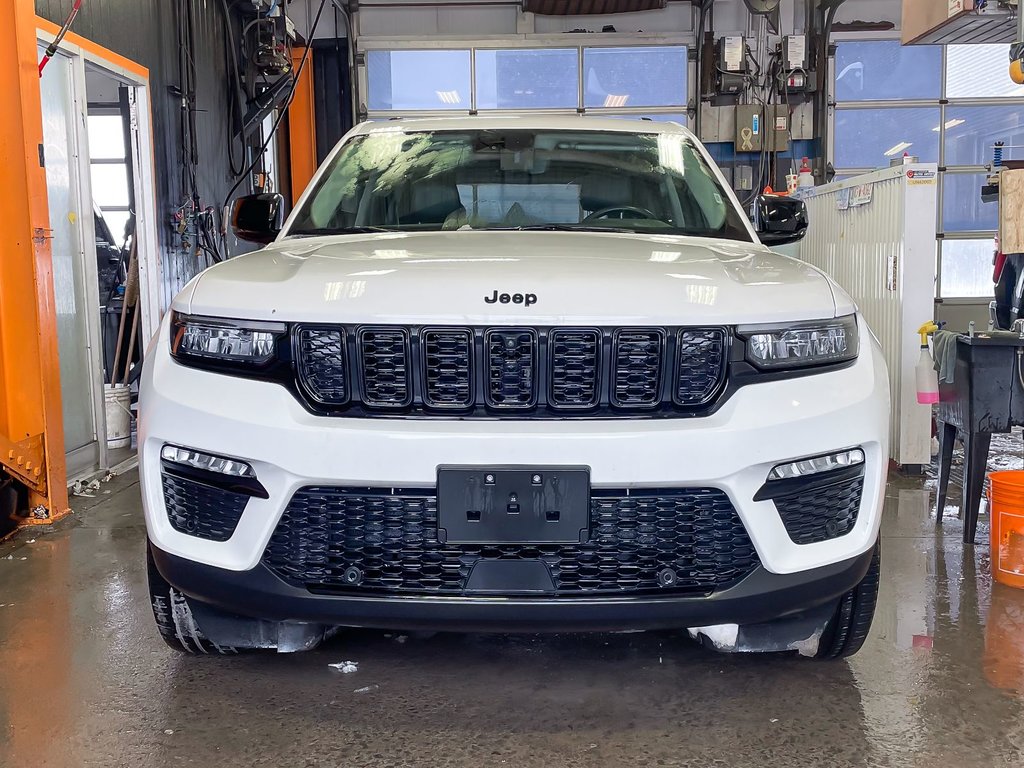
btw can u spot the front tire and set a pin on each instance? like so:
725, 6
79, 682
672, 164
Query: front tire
174, 618
848, 628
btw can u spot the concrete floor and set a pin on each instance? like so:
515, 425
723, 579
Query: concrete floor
85, 680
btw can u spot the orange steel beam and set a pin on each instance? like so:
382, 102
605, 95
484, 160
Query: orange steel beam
31, 419
302, 127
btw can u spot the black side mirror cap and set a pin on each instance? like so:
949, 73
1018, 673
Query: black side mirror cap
258, 218
779, 220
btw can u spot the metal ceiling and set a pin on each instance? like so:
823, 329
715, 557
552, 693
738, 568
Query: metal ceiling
584, 7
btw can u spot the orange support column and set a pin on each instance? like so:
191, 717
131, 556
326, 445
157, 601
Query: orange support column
302, 127
31, 421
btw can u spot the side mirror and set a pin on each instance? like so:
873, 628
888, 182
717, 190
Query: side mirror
258, 218
779, 220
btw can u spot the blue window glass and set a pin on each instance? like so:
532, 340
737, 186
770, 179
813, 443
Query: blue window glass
639, 76
886, 70
870, 138
962, 208
419, 80
971, 133
535, 78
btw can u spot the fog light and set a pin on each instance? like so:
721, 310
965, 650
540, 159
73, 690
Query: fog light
206, 461
813, 466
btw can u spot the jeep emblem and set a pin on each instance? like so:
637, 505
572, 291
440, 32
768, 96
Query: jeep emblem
527, 299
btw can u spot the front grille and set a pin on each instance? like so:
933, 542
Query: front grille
384, 358
511, 368
638, 362
700, 362
512, 372
447, 369
822, 513
321, 364
575, 368
201, 510
375, 541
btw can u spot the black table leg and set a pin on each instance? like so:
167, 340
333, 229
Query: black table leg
947, 441
975, 463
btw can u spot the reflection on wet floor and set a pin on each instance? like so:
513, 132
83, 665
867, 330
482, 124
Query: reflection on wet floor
86, 681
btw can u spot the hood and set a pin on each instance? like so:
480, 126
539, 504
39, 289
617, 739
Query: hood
534, 278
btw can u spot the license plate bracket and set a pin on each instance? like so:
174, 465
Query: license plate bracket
513, 505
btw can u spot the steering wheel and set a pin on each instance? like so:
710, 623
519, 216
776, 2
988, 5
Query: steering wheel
641, 213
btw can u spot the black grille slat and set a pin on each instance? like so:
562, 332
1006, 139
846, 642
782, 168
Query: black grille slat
391, 538
822, 513
575, 368
637, 367
321, 364
384, 361
700, 367
448, 368
511, 368
201, 510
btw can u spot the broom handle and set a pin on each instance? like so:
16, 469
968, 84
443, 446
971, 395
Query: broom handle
121, 323
131, 345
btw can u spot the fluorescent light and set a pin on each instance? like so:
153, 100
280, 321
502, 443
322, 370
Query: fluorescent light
613, 100
902, 146
951, 124
449, 97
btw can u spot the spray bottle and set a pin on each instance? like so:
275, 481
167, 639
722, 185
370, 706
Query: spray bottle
927, 378
805, 177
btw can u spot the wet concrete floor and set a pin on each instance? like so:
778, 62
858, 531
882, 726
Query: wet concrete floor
86, 681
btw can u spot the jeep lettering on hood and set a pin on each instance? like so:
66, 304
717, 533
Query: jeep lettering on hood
528, 299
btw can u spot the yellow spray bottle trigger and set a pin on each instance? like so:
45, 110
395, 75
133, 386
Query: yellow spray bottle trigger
930, 327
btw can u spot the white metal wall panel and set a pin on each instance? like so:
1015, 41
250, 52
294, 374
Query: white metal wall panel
883, 254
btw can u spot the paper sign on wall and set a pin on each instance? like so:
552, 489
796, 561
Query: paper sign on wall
843, 199
861, 195
890, 272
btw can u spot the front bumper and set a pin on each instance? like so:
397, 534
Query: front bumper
760, 597
732, 450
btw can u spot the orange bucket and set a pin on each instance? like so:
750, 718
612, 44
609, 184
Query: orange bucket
1006, 511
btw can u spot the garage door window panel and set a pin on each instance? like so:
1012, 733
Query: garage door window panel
870, 138
653, 76
538, 78
971, 132
884, 70
979, 72
419, 80
962, 207
967, 268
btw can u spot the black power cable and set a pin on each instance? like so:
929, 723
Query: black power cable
284, 109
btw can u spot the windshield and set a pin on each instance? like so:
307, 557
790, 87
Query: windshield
429, 181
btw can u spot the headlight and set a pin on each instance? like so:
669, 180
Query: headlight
234, 342
801, 345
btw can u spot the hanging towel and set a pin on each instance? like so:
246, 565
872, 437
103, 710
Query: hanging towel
944, 354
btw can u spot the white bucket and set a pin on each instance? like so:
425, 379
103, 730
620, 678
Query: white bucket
118, 400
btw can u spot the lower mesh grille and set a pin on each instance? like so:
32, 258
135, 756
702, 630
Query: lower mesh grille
201, 510
822, 513
366, 541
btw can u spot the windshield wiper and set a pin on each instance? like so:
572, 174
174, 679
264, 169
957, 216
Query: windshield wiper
561, 228
319, 231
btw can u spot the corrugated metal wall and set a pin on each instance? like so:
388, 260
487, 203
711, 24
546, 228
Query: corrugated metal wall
145, 31
883, 254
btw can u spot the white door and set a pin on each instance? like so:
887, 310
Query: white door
74, 293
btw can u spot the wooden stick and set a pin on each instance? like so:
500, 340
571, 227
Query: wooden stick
131, 345
132, 260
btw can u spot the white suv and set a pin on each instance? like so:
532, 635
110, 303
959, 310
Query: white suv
515, 374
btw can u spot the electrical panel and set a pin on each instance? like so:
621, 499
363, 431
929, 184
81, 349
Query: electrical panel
732, 54
777, 127
743, 178
749, 128
794, 52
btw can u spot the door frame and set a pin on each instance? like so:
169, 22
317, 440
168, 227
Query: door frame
82, 51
